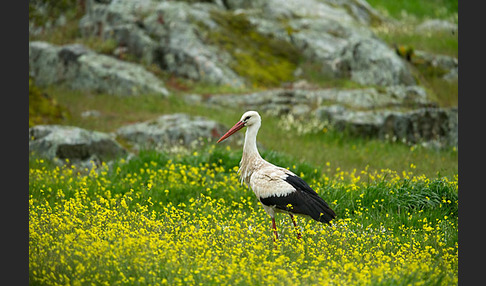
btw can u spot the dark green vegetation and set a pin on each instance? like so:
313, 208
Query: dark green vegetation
42, 108
53, 9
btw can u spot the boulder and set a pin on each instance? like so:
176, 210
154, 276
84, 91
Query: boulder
370, 61
171, 130
79, 68
435, 126
58, 143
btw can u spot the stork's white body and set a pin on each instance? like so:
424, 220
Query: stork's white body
266, 180
277, 189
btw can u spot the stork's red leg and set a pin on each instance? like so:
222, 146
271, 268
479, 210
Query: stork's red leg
274, 227
295, 225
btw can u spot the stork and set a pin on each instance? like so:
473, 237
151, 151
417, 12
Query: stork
278, 189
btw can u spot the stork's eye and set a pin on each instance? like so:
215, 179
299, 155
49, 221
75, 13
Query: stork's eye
246, 118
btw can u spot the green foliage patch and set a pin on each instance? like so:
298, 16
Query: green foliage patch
262, 59
44, 109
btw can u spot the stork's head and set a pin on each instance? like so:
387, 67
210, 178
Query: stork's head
248, 119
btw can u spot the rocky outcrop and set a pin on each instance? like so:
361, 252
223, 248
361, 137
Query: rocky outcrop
171, 130
79, 68
437, 127
301, 101
196, 40
165, 33
79, 146
392, 113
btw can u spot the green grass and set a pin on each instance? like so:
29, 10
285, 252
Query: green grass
441, 9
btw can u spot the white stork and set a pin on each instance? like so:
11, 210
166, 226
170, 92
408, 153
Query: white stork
277, 189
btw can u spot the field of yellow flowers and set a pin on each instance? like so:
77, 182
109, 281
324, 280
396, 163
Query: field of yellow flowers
162, 219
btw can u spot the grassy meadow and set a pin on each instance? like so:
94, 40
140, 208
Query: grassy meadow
165, 219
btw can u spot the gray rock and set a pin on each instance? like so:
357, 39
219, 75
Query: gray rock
90, 113
305, 9
167, 131
360, 10
452, 75
437, 25
340, 10
370, 61
275, 102
439, 125
79, 68
362, 123
182, 50
56, 142
373, 98
442, 65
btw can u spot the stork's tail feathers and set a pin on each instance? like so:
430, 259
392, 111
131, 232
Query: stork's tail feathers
303, 203
319, 210
312, 204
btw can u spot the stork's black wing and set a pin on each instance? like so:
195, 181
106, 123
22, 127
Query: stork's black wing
304, 200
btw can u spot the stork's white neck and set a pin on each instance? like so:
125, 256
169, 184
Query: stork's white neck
250, 146
251, 160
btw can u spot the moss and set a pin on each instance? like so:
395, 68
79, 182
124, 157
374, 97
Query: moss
42, 108
43, 11
262, 60
103, 46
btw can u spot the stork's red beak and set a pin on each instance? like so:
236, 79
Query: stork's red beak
233, 130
